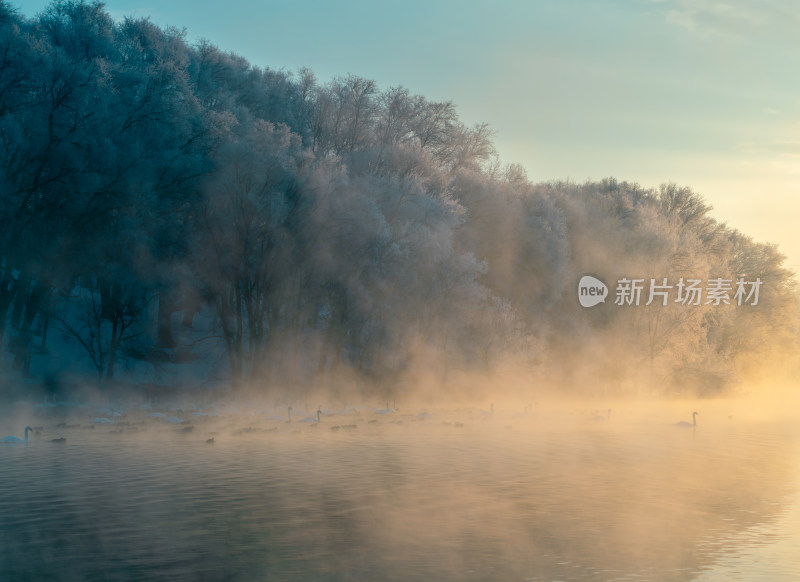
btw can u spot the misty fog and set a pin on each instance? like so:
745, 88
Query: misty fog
560, 489
324, 323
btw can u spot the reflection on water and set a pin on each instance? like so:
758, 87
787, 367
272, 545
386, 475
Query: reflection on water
456, 496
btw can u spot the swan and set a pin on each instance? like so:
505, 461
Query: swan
312, 418
177, 418
606, 417
685, 424
16, 439
386, 410
209, 411
279, 418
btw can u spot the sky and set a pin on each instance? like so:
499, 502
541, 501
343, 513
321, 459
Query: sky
703, 93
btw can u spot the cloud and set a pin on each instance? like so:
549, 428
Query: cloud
788, 164
786, 146
732, 18
777, 157
781, 147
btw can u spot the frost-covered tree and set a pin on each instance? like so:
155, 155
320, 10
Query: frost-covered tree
332, 226
243, 249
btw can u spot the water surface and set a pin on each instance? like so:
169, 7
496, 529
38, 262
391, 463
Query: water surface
457, 496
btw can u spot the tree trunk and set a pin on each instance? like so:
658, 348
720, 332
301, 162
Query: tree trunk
32, 305
166, 307
7, 290
116, 335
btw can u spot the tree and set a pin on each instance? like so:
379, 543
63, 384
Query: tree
243, 246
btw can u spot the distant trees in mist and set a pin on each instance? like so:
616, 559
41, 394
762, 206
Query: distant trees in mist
336, 231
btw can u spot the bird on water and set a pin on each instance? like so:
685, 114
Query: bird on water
315, 419
685, 424
16, 439
606, 417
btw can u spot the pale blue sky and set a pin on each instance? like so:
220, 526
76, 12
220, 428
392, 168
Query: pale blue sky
704, 93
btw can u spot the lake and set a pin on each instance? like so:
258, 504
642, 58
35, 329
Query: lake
405, 495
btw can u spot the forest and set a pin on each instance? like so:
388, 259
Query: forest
172, 215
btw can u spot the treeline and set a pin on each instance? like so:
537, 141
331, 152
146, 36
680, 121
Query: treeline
335, 230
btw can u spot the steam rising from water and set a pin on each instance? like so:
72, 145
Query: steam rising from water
361, 253
483, 493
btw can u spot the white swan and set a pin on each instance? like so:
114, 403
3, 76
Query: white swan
386, 410
314, 418
16, 439
685, 424
601, 417
279, 418
177, 418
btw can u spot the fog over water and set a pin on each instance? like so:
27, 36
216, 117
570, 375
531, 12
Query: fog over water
559, 490
254, 326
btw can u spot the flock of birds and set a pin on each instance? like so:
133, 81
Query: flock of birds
115, 416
